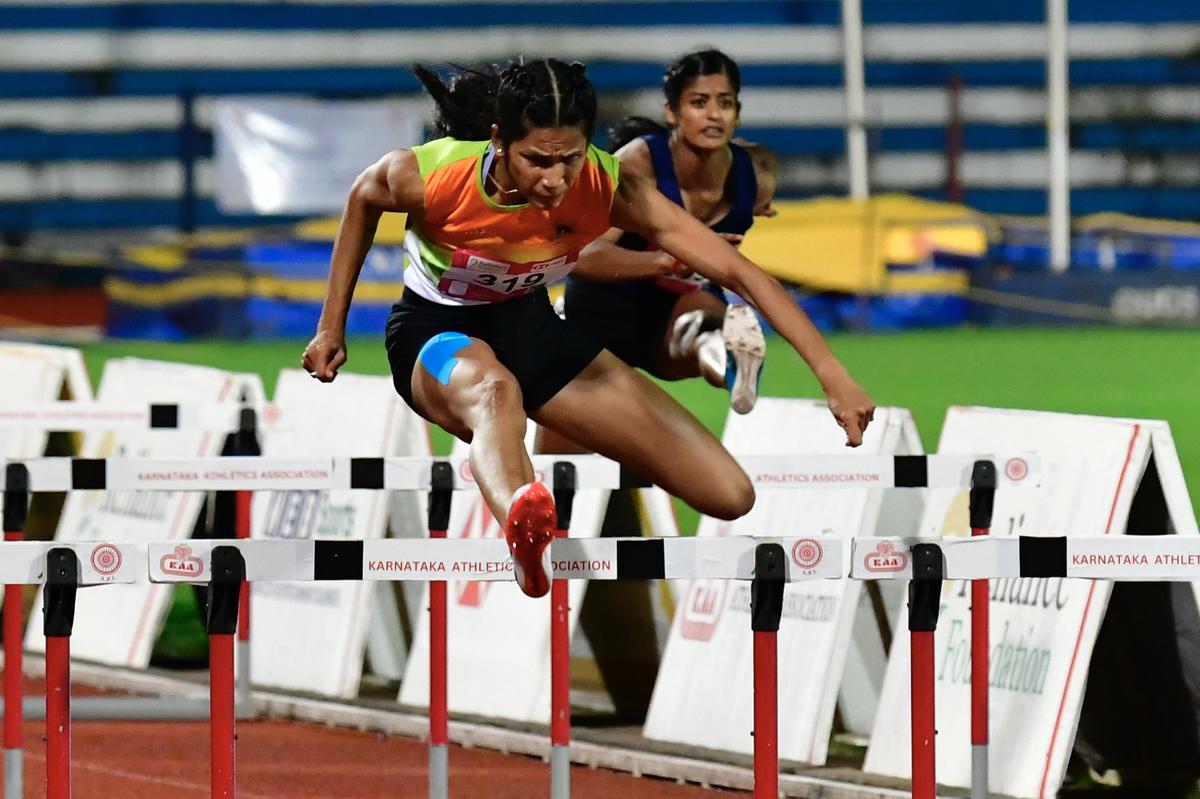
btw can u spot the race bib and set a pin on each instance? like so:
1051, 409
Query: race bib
477, 277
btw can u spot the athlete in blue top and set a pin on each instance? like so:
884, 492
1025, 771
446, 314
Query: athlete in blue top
644, 306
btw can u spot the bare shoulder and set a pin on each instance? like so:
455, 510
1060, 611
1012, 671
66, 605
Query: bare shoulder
635, 159
763, 158
393, 183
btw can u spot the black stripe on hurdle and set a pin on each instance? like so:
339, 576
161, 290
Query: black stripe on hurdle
164, 416
640, 560
912, 471
337, 560
631, 479
88, 473
1043, 557
366, 472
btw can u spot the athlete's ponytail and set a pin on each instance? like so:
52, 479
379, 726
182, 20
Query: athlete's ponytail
630, 128
466, 105
516, 98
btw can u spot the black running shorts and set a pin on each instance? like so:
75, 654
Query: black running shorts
529, 339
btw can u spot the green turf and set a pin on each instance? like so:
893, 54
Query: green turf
1153, 374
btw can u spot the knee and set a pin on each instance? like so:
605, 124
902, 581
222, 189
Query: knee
732, 498
496, 393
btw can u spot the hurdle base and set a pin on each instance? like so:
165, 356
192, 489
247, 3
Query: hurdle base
14, 773
439, 772
979, 771
122, 708
560, 772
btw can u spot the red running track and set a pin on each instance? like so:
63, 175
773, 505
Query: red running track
297, 760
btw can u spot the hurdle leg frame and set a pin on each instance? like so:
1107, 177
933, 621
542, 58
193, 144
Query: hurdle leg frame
62, 581
15, 512
225, 592
441, 492
245, 442
766, 609
560, 644
982, 503
924, 598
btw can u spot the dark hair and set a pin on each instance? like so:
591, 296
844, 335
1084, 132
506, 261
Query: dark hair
517, 97
692, 66
631, 128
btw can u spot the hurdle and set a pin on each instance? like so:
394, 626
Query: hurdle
979, 557
244, 425
248, 473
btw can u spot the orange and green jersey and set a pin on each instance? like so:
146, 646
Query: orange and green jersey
467, 249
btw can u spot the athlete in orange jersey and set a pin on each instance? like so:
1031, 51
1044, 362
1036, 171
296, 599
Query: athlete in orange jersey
497, 209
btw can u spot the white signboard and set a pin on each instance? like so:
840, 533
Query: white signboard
709, 653
288, 155
78, 385
311, 636
118, 625
498, 638
1042, 631
27, 380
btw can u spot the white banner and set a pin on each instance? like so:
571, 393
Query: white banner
1042, 631
311, 637
287, 155
709, 652
119, 625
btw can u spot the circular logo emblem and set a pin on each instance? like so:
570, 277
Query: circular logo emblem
1016, 469
270, 413
106, 559
464, 471
806, 553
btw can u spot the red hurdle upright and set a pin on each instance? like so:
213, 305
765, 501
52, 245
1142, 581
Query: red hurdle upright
16, 505
62, 581
224, 593
983, 494
560, 645
766, 609
924, 598
441, 491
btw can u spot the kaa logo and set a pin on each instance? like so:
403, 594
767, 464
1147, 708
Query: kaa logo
885, 558
181, 562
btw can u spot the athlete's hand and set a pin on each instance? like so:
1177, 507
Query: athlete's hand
667, 266
851, 406
324, 355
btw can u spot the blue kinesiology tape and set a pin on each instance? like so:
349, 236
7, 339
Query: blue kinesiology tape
438, 355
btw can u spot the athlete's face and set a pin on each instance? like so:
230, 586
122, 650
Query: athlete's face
545, 163
707, 114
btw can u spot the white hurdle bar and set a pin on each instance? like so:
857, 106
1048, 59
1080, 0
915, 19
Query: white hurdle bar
256, 473
81, 416
768, 562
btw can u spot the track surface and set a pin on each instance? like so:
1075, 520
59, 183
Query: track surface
294, 760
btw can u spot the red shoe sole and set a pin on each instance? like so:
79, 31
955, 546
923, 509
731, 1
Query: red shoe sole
530, 529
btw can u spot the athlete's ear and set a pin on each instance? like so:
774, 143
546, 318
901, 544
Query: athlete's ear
496, 145
669, 115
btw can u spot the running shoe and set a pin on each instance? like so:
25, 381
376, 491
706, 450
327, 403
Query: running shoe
684, 333
745, 349
529, 531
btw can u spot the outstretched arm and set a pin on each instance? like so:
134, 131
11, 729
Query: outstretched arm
391, 184
607, 262
640, 207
